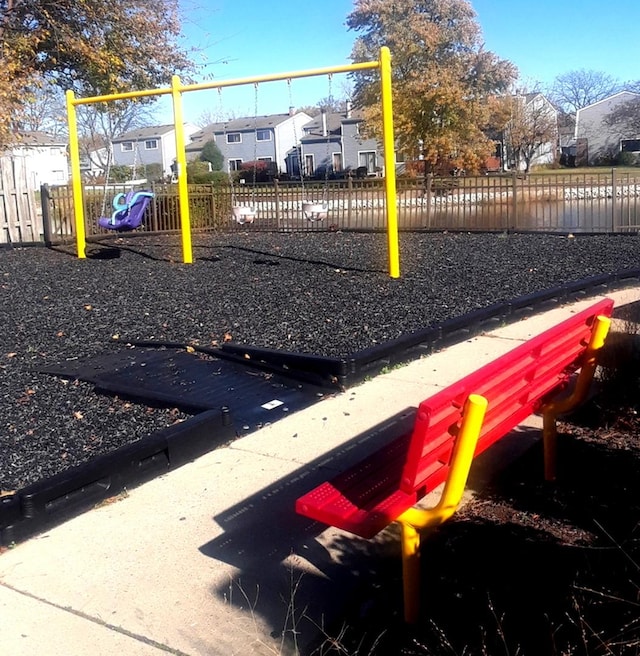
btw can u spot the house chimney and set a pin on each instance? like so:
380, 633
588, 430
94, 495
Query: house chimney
324, 122
292, 110
348, 108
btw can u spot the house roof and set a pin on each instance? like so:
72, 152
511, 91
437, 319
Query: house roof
37, 138
314, 131
528, 97
145, 133
611, 97
244, 124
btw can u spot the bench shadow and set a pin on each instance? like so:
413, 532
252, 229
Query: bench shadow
526, 567
307, 582
289, 574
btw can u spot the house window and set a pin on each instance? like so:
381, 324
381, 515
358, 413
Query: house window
367, 158
337, 161
263, 135
630, 145
265, 159
234, 137
309, 166
126, 146
151, 144
234, 164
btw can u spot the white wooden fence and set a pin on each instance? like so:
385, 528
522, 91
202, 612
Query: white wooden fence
20, 214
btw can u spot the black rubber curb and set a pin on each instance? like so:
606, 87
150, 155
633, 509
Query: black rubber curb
49, 502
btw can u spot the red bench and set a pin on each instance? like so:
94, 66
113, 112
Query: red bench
451, 428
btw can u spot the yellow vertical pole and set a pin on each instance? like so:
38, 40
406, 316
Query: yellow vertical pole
181, 161
389, 162
76, 181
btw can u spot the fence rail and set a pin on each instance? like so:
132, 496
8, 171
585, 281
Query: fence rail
585, 202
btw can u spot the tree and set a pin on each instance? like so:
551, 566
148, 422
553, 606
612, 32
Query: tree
532, 126
329, 104
212, 154
444, 82
576, 89
43, 110
94, 47
100, 124
625, 118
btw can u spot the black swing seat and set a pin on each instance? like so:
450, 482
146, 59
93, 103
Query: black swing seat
128, 212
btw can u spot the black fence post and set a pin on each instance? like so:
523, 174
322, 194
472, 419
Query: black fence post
45, 204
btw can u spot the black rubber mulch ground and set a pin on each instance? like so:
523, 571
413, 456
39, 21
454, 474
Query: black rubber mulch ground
322, 293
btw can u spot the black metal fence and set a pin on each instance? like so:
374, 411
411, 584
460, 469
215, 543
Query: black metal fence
572, 202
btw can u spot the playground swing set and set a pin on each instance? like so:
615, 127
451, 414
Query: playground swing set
129, 209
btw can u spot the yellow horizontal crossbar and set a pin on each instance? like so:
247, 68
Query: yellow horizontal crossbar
201, 86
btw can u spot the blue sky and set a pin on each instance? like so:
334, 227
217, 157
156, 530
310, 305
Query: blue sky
242, 38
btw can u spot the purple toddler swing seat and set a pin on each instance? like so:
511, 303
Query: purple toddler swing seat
129, 211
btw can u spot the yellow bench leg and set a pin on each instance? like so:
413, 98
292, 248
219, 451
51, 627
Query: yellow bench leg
415, 520
552, 410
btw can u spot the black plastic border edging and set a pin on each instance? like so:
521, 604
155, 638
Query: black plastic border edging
51, 501
341, 373
372, 361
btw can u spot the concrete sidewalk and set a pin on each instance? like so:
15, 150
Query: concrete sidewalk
211, 558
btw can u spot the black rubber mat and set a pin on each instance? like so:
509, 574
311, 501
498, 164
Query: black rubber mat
194, 382
229, 398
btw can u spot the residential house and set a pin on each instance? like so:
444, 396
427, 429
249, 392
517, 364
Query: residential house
149, 145
93, 163
333, 145
252, 138
531, 135
599, 141
41, 158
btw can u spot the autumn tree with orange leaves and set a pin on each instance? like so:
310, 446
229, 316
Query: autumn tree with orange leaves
94, 47
448, 91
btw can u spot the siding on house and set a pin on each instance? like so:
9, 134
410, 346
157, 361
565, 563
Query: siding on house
334, 143
251, 138
43, 159
602, 139
536, 105
149, 145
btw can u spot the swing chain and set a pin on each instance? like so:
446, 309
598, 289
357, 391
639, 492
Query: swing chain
255, 144
106, 177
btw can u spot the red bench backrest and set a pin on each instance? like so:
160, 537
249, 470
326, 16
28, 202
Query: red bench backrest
514, 385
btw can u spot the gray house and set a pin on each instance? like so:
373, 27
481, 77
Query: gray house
149, 145
596, 139
252, 138
332, 145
